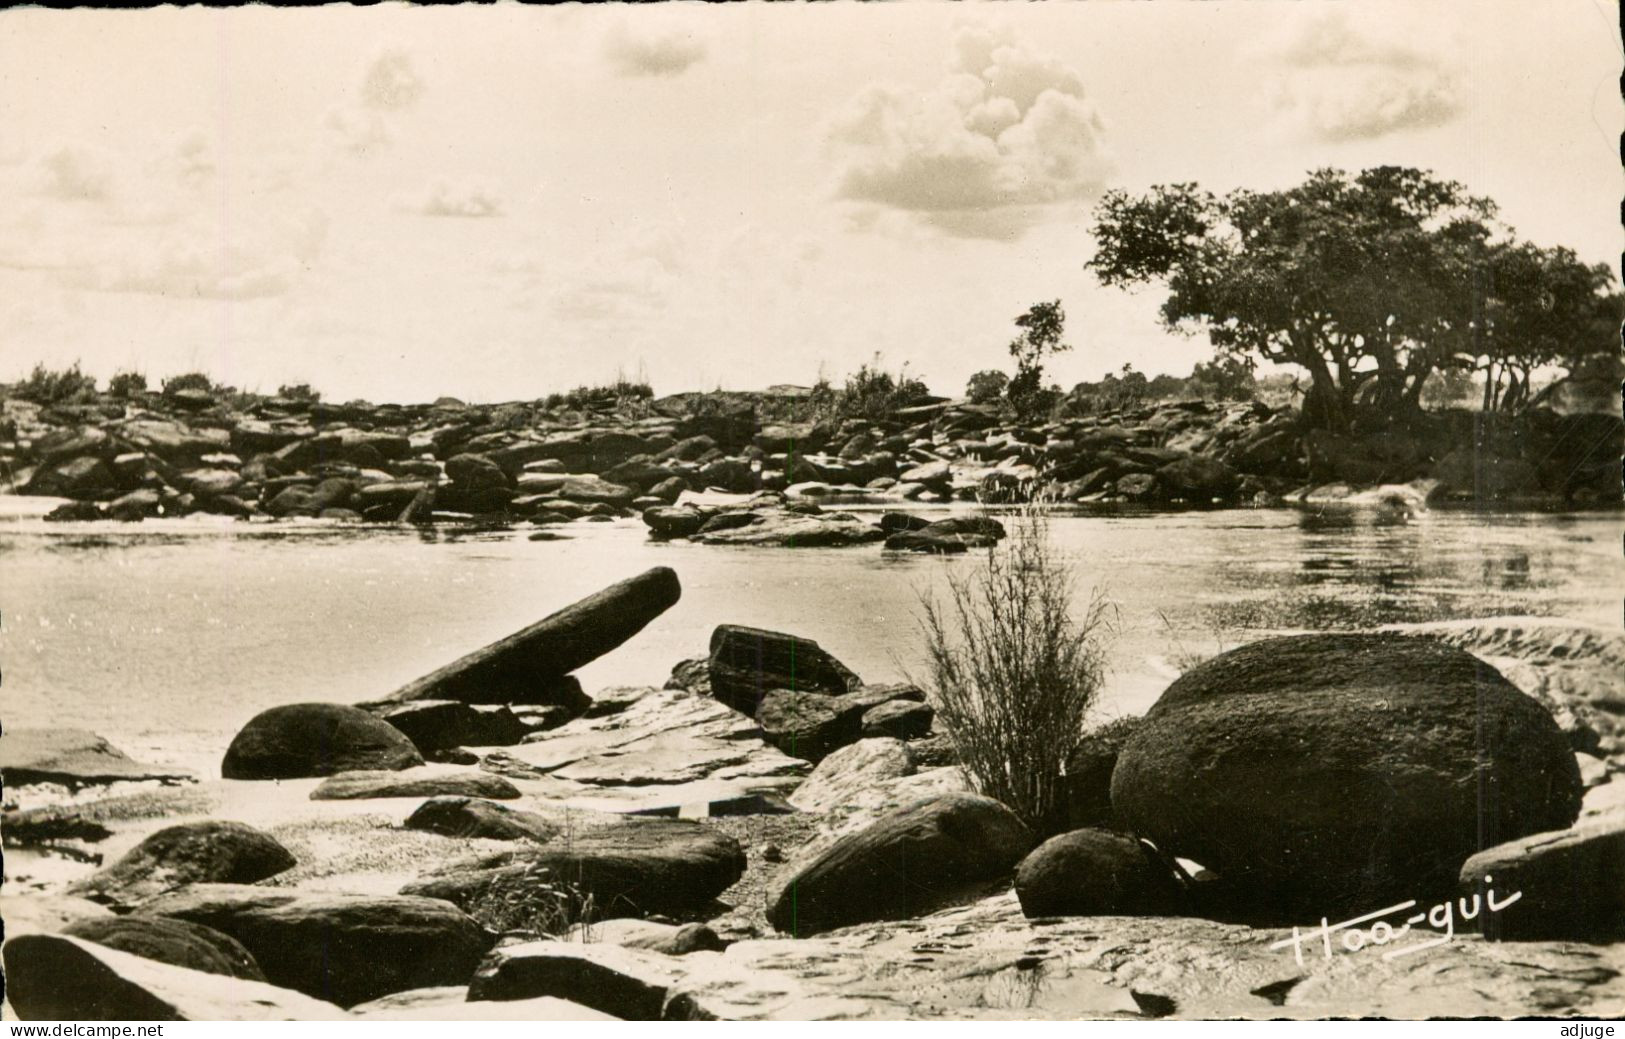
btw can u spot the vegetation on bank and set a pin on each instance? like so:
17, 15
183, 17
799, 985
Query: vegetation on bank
1371, 283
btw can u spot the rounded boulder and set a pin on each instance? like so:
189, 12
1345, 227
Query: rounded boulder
1328, 774
316, 739
1096, 873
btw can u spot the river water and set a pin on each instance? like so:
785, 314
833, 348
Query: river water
166, 636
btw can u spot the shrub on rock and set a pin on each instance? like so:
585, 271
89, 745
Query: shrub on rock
909, 862
1325, 774
315, 739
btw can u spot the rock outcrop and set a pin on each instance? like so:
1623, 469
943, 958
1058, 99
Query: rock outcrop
175, 942
636, 867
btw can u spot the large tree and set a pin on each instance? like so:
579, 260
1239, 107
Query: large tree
1366, 281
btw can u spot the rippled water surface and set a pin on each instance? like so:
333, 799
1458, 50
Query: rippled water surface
167, 636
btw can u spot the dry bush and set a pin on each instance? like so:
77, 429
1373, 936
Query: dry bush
1015, 663
534, 901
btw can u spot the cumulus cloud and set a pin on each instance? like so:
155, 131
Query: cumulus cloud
74, 173
155, 228
1336, 83
1005, 138
668, 53
390, 86
442, 198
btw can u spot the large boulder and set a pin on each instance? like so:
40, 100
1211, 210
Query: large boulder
528, 666
747, 662
1326, 774
315, 739
51, 977
342, 948
634, 867
206, 851
176, 942
1097, 873
71, 757
909, 862
1564, 886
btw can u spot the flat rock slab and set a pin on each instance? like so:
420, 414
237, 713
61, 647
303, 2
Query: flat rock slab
986, 961
630, 984
1569, 665
668, 740
779, 529
72, 757
351, 786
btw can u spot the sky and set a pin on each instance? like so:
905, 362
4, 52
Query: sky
499, 202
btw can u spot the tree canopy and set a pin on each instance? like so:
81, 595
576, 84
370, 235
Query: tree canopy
1371, 282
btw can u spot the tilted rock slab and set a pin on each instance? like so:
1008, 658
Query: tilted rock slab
525, 666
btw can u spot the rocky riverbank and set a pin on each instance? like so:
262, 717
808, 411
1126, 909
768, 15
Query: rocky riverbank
269, 458
768, 836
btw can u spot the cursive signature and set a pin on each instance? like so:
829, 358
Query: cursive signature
1354, 937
